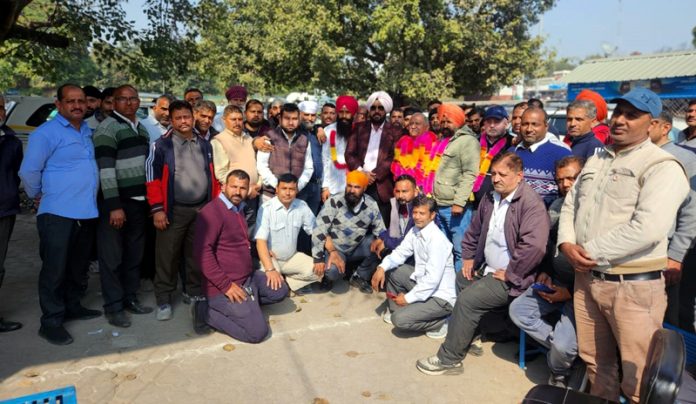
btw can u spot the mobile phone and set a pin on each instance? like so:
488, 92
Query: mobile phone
391, 295
540, 287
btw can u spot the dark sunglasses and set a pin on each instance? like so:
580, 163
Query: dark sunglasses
376, 107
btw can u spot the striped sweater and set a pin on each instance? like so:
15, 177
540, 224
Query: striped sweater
120, 152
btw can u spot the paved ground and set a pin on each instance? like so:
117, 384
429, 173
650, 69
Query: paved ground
333, 347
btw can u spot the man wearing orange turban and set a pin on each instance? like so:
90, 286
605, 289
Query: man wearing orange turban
457, 168
346, 226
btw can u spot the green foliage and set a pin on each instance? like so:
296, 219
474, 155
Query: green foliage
414, 49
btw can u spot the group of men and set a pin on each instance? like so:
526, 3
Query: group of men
460, 213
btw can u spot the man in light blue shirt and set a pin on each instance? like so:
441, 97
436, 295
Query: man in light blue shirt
281, 219
59, 171
420, 298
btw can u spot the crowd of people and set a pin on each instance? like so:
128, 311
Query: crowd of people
455, 212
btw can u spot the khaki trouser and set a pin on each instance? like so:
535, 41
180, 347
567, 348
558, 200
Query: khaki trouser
610, 314
298, 270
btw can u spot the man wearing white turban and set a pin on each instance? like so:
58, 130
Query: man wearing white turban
371, 149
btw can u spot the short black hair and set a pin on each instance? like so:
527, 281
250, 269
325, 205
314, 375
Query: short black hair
424, 200
287, 178
59, 92
91, 91
692, 102
108, 92
476, 111
522, 104
239, 174
191, 90
514, 162
535, 109
289, 107
535, 102
433, 102
408, 111
251, 102
406, 177
328, 104
568, 160
179, 104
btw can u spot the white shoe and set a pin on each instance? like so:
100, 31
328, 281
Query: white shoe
164, 312
438, 334
387, 317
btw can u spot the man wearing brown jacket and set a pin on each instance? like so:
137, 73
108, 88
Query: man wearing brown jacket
505, 242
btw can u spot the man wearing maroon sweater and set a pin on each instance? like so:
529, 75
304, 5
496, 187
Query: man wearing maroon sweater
234, 290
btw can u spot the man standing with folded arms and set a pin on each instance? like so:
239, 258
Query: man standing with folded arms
60, 173
613, 230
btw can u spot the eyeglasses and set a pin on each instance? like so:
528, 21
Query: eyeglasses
127, 99
376, 107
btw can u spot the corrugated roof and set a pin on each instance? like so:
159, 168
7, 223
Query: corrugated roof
642, 67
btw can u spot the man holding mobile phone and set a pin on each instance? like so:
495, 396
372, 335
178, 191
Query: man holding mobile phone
530, 310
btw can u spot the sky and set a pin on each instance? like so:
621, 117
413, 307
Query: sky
578, 28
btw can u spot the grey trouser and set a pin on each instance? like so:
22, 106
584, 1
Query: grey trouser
416, 316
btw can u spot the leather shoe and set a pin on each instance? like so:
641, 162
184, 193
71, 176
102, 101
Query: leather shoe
135, 307
81, 313
361, 284
55, 335
118, 319
7, 326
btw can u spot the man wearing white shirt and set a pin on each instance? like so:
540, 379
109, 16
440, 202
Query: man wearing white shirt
421, 297
281, 220
291, 153
507, 239
157, 124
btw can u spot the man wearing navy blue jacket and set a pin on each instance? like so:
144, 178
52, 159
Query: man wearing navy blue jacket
10, 159
581, 116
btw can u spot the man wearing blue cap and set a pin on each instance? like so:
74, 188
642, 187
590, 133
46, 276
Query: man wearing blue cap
613, 230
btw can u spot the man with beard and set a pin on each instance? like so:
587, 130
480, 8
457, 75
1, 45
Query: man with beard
495, 139
328, 114
203, 114
59, 172
157, 123
346, 226
237, 95
371, 149
292, 153
192, 96
455, 175
396, 118
254, 124
180, 180
273, 114
234, 290
312, 191
94, 99
333, 150
105, 108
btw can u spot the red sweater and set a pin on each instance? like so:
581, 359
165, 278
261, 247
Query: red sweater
221, 247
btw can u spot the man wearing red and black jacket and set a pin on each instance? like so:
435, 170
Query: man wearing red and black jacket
180, 181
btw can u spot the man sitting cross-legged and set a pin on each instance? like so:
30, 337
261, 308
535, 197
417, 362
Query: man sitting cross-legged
277, 230
234, 290
419, 298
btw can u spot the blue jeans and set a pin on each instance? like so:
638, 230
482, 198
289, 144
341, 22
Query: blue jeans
527, 311
454, 228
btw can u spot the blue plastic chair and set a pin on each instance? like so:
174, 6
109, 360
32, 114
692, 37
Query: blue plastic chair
65, 395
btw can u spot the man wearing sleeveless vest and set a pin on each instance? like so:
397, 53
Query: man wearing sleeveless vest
613, 230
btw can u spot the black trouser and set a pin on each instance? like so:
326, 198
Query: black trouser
121, 253
147, 266
474, 300
177, 237
384, 207
6, 226
64, 247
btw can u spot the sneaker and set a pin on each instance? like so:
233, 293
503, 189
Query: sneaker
476, 348
135, 307
558, 381
432, 366
387, 317
118, 319
438, 334
55, 335
325, 285
164, 312
361, 284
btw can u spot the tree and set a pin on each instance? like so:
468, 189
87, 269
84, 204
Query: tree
414, 49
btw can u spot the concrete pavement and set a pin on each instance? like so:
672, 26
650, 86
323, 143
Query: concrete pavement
331, 347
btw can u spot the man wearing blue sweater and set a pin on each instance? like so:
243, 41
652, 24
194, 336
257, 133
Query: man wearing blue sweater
539, 155
581, 117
